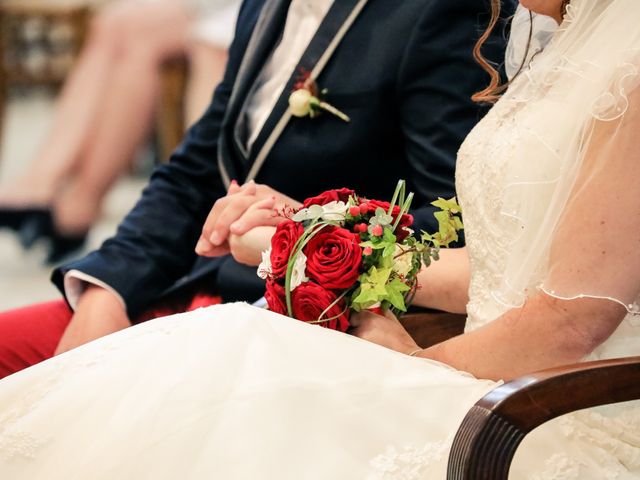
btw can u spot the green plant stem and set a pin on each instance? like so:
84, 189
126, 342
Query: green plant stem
307, 235
398, 192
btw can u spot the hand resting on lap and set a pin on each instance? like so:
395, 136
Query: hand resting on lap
98, 313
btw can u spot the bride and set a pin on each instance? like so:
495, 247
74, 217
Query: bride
548, 184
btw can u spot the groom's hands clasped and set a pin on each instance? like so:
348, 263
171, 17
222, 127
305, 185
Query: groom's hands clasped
243, 209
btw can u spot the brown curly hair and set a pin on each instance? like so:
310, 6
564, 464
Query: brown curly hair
491, 93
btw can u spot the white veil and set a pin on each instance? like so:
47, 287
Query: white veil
576, 205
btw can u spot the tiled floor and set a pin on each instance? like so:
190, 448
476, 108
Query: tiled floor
23, 278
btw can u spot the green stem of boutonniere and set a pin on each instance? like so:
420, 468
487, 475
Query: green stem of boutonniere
333, 110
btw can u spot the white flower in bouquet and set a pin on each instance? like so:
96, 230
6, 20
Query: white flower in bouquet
334, 211
264, 269
298, 274
402, 262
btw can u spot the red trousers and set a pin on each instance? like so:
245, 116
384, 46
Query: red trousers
31, 334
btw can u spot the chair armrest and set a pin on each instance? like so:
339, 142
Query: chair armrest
492, 430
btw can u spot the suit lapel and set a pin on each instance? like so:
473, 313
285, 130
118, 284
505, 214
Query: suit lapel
332, 30
266, 33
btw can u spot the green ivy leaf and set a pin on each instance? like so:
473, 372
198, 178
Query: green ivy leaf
450, 205
372, 286
395, 293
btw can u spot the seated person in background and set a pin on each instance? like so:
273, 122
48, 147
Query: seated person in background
404, 76
104, 112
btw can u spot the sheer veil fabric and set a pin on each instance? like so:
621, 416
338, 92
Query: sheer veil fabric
574, 211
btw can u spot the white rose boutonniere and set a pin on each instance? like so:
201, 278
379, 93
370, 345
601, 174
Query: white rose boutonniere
306, 101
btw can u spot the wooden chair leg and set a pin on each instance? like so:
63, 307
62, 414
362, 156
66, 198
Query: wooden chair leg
170, 117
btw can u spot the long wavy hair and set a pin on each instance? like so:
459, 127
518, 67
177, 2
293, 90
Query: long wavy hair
491, 93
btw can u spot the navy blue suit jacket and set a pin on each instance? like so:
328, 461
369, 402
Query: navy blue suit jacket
404, 73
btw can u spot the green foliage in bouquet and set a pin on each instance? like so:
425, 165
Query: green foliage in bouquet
341, 253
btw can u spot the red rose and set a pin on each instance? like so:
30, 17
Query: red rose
275, 297
282, 243
309, 300
339, 195
406, 220
334, 257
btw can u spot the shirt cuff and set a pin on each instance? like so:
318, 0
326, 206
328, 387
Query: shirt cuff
76, 282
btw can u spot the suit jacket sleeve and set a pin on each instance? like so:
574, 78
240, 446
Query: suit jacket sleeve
154, 245
437, 77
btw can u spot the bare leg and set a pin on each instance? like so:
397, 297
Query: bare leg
125, 118
105, 106
80, 204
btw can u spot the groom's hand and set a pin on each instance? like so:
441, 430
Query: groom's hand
97, 314
242, 209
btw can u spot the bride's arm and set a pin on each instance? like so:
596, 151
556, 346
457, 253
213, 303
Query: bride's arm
593, 262
445, 284
544, 333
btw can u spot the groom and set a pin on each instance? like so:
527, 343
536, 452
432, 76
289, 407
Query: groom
402, 71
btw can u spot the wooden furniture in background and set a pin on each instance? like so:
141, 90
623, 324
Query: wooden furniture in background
39, 41
170, 114
492, 430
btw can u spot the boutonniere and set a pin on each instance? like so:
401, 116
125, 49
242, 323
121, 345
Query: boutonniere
305, 100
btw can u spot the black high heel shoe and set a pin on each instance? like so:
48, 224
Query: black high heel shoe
34, 224
62, 246
30, 224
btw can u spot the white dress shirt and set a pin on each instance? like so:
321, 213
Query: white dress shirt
303, 19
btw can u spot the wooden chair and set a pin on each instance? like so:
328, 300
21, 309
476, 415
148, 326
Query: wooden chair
492, 430
170, 114
169, 119
56, 57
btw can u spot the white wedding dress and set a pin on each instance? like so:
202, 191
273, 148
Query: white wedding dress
235, 392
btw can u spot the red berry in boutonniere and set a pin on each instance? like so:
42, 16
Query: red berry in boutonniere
306, 101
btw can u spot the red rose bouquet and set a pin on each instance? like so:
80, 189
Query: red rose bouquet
341, 252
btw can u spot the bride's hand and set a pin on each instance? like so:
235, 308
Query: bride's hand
248, 248
384, 330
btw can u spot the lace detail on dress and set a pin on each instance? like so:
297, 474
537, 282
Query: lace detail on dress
614, 442
19, 444
482, 160
559, 467
617, 438
410, 463
15, 442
